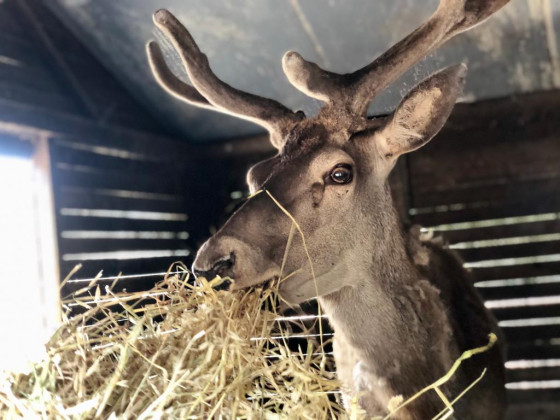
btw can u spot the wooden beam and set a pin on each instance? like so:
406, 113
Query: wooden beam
486, 147
32, 122
60, 62
45, 223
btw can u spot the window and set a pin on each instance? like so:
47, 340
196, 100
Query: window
29, 297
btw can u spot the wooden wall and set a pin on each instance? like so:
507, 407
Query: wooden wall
490, 184
44, 67
121, 186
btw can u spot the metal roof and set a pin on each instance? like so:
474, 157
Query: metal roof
516, 51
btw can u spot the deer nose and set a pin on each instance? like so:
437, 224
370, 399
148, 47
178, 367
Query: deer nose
222, 267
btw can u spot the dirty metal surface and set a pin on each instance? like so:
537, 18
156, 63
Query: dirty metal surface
516, 51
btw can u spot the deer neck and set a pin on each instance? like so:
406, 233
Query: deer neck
377, 300
392, 333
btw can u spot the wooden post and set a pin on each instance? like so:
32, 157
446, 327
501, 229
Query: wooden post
45, 225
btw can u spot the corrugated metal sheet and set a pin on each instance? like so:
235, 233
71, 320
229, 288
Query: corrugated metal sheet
517, 51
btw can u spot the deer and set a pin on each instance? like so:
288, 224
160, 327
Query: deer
402, 309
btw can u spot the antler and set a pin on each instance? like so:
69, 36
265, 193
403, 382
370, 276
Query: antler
347, 92
210, 92
354, 91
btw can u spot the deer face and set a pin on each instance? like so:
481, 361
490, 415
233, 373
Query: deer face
334, 184
319, 189
330, 173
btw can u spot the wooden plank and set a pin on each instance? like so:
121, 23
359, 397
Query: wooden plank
23, 94
529, 198
518, 292
504, 120
118, 261
510, 251
71, 149
74, 246
94, 199
515, 271
55, 43
106, 223
541, 411
88, 177
158, 149
112, 103
526, 312
31, 77
22, 118
505, 231
533, 351
536, 374
477, 136
21, 50
516, 208
40, 30
128, 267
58, 32
465, 165
10, 21
533, 196
113, 159
540, 332
124, 285
516, 397
46, 233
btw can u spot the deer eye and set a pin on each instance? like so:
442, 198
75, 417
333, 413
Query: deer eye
341, 174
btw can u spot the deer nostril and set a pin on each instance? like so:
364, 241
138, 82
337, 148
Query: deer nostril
222, 267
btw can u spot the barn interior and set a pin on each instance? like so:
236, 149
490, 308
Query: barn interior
128, 180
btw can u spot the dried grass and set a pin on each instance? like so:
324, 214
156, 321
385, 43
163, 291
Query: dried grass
185, 351
177, 351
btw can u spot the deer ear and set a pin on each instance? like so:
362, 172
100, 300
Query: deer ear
422, 113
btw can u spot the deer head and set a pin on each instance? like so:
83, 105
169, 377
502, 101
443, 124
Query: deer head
330, 172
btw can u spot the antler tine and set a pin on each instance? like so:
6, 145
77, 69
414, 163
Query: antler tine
312, 80
451, 18
172, 83
211, 91
355, 91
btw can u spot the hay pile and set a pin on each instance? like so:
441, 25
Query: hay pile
184, 351
177, 351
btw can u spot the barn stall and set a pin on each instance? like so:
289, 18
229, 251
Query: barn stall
132, 180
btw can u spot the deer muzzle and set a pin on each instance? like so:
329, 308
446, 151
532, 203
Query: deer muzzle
227, 256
